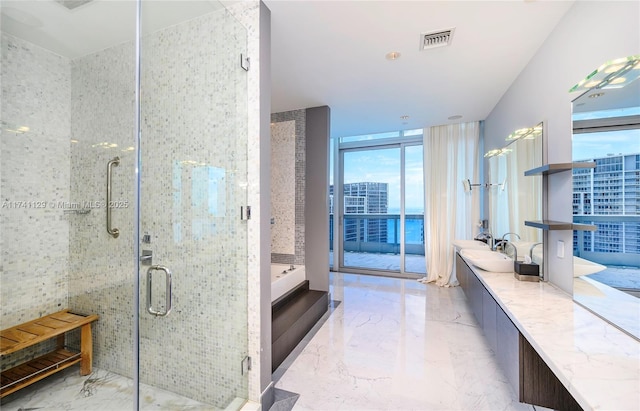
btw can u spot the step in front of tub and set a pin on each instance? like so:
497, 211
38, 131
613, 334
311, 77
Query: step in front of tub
289, 295
292, 318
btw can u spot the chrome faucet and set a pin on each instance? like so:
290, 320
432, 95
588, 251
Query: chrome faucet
531, 250
506, 234
506, 243
503, 242
486, 236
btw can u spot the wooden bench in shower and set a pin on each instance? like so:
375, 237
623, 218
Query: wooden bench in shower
33, 332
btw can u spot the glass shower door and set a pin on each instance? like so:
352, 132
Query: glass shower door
193, 245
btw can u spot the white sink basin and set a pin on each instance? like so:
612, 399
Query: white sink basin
470, 244
585, 267
488, 260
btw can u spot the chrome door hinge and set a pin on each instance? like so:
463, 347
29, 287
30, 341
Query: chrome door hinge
244, 62
246, 365
245, 215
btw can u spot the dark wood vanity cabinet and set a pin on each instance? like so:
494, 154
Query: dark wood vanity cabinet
461, 272
507, 349
528, 374
539, 385
471, 287
490, 319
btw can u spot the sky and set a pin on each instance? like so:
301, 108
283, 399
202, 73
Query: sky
383, 166
588, 146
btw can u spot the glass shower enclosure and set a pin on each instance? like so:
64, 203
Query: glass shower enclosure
123, 164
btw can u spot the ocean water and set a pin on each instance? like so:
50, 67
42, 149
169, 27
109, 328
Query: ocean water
414, 231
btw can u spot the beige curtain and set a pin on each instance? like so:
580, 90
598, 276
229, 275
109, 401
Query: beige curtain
450, 156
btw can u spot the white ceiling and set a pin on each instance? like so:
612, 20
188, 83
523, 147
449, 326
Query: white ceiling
94, 26
333, 53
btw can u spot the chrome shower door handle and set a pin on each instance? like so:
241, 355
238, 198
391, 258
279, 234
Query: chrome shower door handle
167, 306
114, 232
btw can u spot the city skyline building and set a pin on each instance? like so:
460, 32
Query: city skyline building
364, 198
608, 196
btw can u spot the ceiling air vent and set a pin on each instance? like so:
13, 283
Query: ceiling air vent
436, 39
73, 4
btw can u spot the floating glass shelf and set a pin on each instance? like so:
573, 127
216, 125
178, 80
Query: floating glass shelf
558, 168
559, 225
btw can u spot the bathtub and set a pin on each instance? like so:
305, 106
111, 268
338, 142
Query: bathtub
284, 279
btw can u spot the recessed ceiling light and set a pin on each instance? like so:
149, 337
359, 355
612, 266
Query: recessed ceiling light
394, 55
456, 117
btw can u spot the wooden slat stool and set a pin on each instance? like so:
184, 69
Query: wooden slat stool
33, 332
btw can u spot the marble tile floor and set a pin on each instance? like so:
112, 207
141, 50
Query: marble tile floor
395, 344
414, 264
99, 391
385, 344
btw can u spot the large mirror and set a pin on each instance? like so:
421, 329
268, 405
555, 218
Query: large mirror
606, 130
514, 198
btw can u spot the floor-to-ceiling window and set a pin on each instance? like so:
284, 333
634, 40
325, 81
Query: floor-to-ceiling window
377, 204
413, 175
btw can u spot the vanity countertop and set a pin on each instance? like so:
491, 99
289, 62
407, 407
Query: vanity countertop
597, 363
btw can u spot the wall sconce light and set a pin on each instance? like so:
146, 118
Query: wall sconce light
468, 185
612, 74
497, 152
525, 133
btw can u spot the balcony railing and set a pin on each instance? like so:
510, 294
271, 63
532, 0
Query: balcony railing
380, 233
613, 243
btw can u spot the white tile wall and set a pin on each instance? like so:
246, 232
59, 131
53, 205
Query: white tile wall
288, 190
283, 187
35, 176
102, 268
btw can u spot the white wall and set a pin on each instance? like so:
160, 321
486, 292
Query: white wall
317, 197
589, 34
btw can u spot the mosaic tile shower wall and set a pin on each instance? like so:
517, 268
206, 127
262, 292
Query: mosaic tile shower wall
80, 115
283, 187
281, 124
34, 164
102, 267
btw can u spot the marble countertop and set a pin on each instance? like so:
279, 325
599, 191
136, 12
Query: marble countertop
597, 363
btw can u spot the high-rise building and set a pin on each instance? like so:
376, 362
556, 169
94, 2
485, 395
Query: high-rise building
364, 198
608, 196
